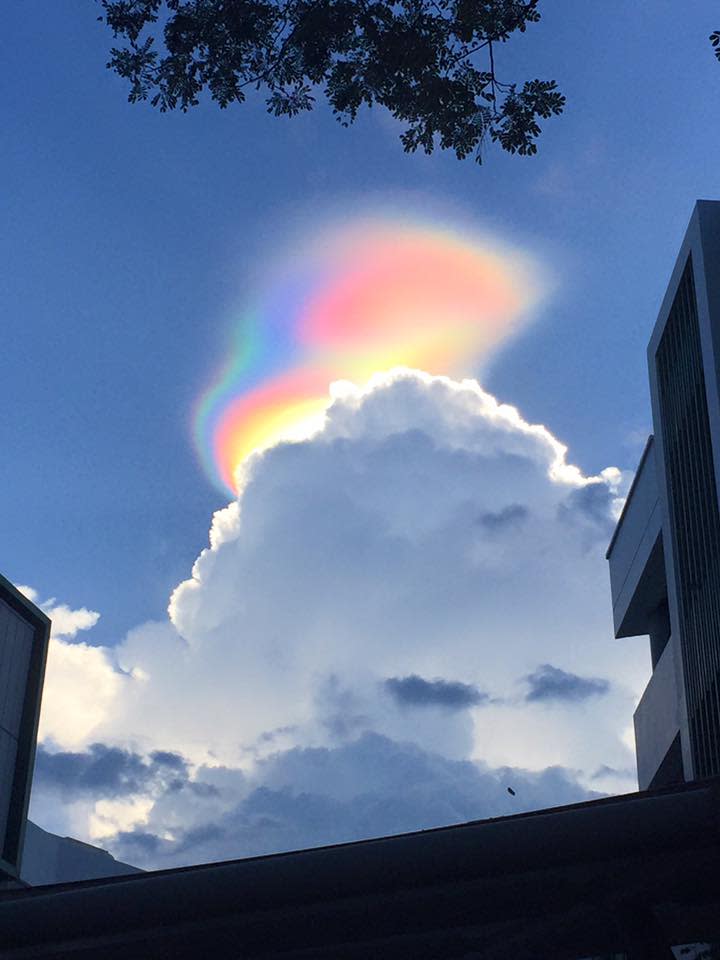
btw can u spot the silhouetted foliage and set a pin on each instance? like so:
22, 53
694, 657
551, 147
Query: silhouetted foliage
431, 63
715, 41
700, 951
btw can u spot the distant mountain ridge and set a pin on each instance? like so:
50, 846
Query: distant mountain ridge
48, 858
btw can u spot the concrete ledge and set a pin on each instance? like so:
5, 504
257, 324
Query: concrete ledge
656, 719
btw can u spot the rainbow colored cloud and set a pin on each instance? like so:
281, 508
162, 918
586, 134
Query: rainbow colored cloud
361, 299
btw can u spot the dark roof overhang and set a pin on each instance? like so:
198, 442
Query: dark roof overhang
584, 879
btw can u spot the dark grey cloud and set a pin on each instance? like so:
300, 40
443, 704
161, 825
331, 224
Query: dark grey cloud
604, 772
201, 789
139, 842
414, 691
592, 504
549, 683
166, 759
108, 771
339, 709
269, 735
371, 787
206, 834
510, 516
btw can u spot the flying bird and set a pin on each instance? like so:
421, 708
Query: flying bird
511, 791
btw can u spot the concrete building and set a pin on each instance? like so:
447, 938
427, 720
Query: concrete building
28, 854
24, 636
665, 553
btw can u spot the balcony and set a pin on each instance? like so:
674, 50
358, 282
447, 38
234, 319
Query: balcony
637, 563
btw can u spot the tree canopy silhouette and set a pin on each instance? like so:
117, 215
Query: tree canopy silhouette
431, 63
715, 41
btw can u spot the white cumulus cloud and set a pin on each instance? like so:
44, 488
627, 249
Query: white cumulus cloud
428, 535
66, 622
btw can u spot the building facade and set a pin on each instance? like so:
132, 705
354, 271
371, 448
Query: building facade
665, 553
24, 635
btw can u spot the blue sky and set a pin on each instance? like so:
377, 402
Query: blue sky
129, 237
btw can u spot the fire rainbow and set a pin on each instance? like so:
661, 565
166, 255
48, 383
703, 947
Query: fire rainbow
360, 300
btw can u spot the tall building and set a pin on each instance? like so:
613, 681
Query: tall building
665, 553
24, 634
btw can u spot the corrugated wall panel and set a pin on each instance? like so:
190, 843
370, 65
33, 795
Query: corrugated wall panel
694, 519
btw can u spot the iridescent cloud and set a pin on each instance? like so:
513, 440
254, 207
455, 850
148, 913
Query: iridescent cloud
357, 300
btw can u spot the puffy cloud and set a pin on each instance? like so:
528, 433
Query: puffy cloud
82, 687
426, 531
66, 622
370, 787
107, 771
414, 691
591, 505
76, 674
552, 683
